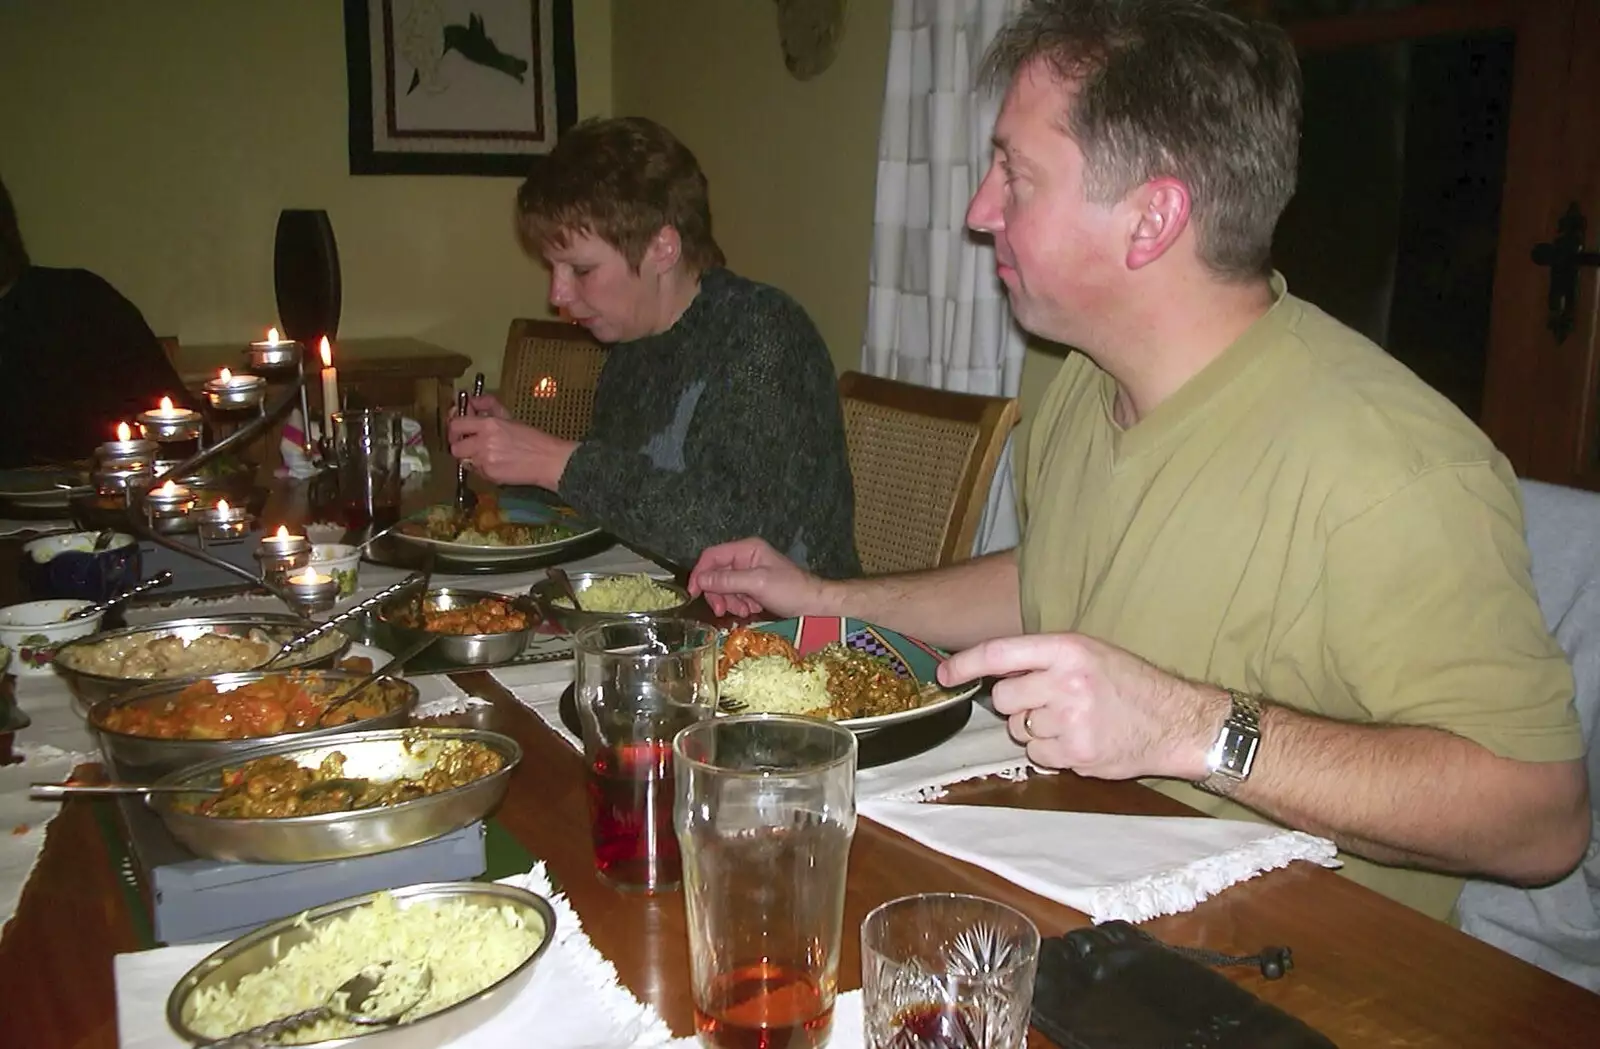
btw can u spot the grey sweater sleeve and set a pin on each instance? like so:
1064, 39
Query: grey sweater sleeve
751, 460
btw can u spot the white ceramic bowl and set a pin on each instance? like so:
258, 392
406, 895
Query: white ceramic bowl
341, 561
34, 630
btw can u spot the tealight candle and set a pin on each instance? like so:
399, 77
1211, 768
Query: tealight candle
273, 352
281, 554
230, 391
223, 522
125, 447
311, 590
167, 423
169, 500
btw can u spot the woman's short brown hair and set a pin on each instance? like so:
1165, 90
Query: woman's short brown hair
1174, 88
620, 179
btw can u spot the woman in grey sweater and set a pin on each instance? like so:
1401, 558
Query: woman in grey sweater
717, 415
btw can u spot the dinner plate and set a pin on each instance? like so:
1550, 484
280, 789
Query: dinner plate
908, 657
42, 487
524, 512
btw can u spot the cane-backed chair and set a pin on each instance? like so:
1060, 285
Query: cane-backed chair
548, 376
922, 461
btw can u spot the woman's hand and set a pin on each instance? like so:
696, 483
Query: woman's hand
508, 452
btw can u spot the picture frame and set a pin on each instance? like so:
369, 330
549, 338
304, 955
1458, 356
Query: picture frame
458, 87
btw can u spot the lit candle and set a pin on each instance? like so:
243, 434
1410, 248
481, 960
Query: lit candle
170, 500
330, 389
124, 432
167, 423
310, 577
228, 390
545, 387
223, 521
273, 353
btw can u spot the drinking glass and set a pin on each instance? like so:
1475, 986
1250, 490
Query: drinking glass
946, 971
366, 445
639, 680
765, 812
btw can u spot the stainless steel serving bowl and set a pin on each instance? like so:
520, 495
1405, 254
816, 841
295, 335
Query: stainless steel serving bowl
544, 593
89, 687
464, 649
379, 754
141, 759
258, 950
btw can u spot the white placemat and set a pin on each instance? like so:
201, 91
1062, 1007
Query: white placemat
574, 1000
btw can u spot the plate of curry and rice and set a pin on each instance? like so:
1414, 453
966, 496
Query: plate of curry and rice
494, 532
849, 671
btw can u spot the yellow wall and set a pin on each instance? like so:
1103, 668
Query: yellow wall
792, 163
155, 143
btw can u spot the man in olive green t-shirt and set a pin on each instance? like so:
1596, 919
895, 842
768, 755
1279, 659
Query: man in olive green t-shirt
1259, 555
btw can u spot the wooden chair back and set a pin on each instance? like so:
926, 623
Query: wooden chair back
923, 460
549, 374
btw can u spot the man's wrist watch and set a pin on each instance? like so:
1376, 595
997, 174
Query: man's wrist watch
1234, 753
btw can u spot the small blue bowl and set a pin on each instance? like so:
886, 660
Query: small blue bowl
66, 566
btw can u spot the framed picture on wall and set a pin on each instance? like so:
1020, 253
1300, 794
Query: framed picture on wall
457, 87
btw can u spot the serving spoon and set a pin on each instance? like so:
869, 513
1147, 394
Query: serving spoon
63, 791
155, 582
348, 1002
360, 686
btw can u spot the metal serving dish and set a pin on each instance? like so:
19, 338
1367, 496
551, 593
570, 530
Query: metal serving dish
464, 649
258, 950
544, 593
378, 754
89, 687
141, 759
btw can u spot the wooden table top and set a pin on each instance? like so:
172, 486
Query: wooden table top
1368, 971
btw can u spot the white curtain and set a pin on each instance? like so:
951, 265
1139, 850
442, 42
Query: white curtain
936, 313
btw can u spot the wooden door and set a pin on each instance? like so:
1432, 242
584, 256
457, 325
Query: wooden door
1444, 139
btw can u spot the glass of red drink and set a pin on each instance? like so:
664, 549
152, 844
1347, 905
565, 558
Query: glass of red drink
366, 447
765, 813
947, 971
638, 680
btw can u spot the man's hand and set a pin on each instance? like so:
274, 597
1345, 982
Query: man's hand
508, 452
748, 576
1081, 704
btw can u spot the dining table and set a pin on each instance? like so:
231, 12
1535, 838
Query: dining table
1367, 971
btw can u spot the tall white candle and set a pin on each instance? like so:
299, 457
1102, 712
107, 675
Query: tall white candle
330, 390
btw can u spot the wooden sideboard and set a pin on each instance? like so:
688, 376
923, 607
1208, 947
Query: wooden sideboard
381, 372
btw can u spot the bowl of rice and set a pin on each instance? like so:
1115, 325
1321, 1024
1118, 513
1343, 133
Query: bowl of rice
608, 595
296, 963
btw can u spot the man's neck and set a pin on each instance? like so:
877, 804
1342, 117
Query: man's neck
1170, 333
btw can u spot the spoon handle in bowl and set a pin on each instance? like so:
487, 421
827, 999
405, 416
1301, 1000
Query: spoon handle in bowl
155, 582
63, 791
348, 614
267, 1033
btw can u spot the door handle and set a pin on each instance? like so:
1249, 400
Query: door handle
1564, 256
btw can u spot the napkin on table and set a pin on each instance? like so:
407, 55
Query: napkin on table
1130, 867
573, 1001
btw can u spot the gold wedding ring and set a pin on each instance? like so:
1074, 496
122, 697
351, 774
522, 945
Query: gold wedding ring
1027, 725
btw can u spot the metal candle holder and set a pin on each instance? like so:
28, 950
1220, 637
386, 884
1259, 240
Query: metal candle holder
142, 525
236, 392
280, 556
223, 523
279, 356
119, 465
311, 591
179, 424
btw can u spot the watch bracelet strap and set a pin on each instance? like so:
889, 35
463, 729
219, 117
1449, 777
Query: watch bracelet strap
1218, 782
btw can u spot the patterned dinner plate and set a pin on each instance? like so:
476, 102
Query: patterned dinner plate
526, 512
906, 656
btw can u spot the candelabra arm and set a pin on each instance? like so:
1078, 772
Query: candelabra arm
243, 435
138, 515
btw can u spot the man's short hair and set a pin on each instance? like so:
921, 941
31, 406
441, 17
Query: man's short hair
620, 179
13, 254
1179, 89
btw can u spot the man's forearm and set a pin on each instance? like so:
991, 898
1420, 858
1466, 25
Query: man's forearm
1419, 796
953, 607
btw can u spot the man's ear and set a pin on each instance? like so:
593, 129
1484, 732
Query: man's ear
665, 250
1162, 214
